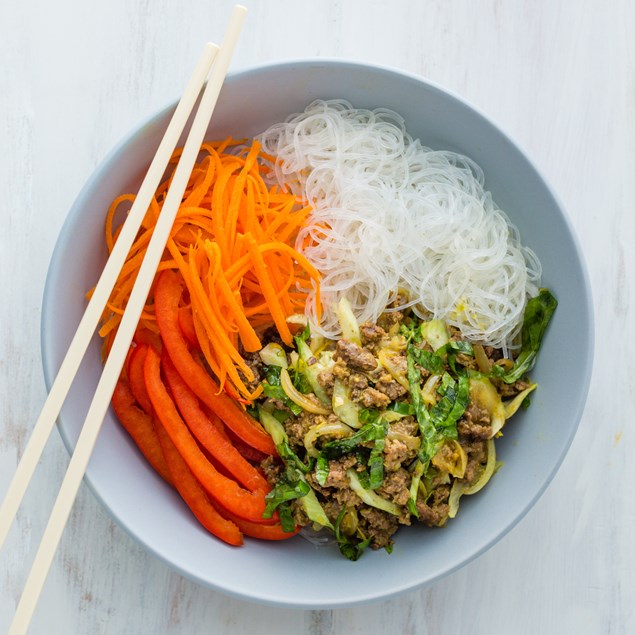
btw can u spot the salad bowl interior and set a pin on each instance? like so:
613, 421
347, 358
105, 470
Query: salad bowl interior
296, 572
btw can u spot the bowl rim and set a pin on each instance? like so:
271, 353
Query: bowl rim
49, 373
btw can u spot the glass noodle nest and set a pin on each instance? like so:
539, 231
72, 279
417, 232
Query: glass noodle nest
389, 214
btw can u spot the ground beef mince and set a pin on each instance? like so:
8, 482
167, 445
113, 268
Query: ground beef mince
357, 383
476, 423
396, 487
511, 390
297, 427
272, 469
407, 426
355, 356
371, 333
340, 369
377, 525
373, 398
257, 367
391, 388
396, 453
327, 380
337, 472
434, 512
467, 361
476, 458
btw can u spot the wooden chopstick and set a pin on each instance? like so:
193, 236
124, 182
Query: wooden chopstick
114, 363
90, 319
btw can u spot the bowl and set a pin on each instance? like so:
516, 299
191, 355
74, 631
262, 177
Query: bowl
296, 573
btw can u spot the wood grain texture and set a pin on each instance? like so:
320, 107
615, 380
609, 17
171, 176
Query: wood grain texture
559, 77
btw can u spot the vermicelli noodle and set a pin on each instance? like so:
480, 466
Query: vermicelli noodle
391, 214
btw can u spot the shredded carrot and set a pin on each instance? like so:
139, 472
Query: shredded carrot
232, 243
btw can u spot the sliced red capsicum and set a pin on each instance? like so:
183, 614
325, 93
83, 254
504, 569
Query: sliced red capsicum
136, 379
194, 495
217, 444
140, 427
167, 295
241, 502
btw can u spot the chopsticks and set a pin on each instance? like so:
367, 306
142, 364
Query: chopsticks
220, 59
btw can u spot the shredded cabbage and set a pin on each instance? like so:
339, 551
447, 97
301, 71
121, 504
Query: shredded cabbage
460, 488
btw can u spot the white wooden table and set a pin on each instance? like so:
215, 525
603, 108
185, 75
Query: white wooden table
558, 76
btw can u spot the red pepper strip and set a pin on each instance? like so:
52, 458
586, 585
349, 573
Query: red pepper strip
146, 336
167, 294
136, 379
194, 495
246, 451
186, 324
257, 530
139, 426
207, 434
242, 502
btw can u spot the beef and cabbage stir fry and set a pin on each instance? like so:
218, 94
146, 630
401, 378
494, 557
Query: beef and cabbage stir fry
390, 425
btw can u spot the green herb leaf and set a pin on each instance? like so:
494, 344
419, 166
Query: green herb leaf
300, 382
411, 331
286, 517
375, 429
349, 546
376, 464
459, 346
430, 439
284, 490
364, 478
292, 459
368, 415
538, 313
430, 361
321, 469
455, 396
401, 407
272, 375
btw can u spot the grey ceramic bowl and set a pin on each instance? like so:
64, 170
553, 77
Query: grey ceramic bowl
296, 573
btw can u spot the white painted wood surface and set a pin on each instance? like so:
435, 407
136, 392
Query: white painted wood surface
559, 76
